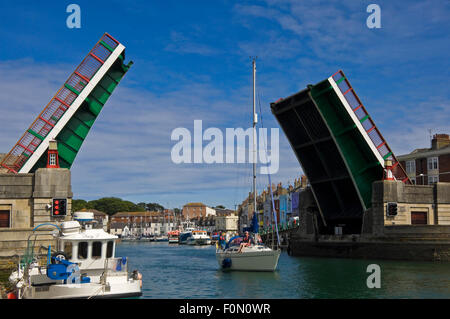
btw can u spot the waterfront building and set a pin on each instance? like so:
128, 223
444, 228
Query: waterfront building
282, 201
426, 166
227, 224
192, 210
143, 223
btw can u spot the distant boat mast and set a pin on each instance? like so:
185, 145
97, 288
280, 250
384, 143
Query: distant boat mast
255, 121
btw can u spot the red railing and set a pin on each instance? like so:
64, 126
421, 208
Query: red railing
369, 125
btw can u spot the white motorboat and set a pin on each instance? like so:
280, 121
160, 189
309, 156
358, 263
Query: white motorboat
83, 266
199, 237
255, 257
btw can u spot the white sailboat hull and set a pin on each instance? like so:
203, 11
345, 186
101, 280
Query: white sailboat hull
264, 260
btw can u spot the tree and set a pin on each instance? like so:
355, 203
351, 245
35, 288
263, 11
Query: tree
220, 206
78, 204
154, 207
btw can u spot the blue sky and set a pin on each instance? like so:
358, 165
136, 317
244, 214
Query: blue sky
192, 62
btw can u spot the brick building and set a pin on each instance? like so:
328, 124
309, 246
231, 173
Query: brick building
426, 166
193, 210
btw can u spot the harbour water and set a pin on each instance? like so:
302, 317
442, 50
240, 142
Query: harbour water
180, 271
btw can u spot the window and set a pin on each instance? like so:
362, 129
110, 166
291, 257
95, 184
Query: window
52, 159
411, 167
432, 179
4, 218
109, 249
433, 163
97, 250
82, 250
68, 249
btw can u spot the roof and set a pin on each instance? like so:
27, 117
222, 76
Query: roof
96, 212
195, 204
424, 152
137, 214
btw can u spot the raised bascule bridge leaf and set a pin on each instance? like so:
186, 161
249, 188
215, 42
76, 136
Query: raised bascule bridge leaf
72, 111
339, 147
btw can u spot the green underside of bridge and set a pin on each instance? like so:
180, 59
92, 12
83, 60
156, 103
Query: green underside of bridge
76, 130
362, 162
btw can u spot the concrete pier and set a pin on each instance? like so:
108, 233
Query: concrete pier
420, 230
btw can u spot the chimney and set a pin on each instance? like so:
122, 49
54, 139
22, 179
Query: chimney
304, 181
439, 141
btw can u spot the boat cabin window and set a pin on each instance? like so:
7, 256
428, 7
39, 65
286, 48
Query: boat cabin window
97, 250
109, 249
68, 249
82, 250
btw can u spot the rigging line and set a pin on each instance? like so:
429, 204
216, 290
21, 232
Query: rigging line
268, 173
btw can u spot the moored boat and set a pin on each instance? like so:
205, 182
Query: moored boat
84, 265
199, 237
173, 236
185, 235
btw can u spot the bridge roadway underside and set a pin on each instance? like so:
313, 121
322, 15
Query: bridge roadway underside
332, 173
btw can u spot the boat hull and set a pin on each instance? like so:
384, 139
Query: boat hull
199, 241
249, 261
128, 289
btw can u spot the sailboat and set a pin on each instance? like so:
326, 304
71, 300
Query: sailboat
256, 256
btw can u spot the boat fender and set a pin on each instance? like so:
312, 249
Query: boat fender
59, 255
11, 295
226, 263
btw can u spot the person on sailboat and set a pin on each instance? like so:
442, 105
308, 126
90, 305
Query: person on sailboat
246, 241
222, 241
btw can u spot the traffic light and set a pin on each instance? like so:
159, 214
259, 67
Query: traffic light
59, 207
391, 209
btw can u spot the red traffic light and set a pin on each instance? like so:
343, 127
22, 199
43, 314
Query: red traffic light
59, 207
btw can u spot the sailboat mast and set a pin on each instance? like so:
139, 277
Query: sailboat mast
255, 121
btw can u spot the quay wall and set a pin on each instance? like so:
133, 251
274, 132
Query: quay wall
396, 237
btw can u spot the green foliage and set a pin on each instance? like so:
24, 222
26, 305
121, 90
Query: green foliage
112, 205
78, 204
154, 207
109, 205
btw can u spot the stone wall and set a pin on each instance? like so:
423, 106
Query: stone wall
28, 197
